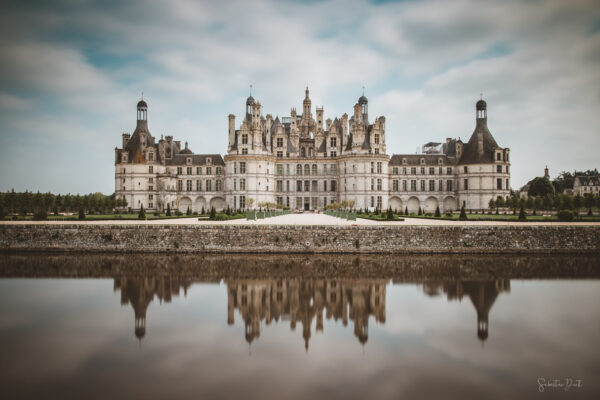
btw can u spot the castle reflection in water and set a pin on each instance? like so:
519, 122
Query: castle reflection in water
303, 301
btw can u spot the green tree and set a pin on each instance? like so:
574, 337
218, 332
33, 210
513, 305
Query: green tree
188, 211
540, 187
589, 203
213, 213
577, 203
406, 210
81, 212
437, 212
168, 209
390, 214
142, 213
420, 211
492, 203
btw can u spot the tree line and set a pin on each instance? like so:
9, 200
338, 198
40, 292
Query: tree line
549, 202
23, 203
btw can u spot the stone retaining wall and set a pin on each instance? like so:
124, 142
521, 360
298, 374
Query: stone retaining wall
301, 239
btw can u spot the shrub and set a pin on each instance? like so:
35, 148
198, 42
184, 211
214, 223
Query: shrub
142, 213
168, 210
437, 212
463, 214
565, 215
188, 211
522, 215
3, 213
448, 214
81, 213
202, 212
178, 213
406, 210
390, 215
212, 213
40, 215
420, 211
157, 213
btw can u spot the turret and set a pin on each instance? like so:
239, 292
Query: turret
306, 105
249, 103
142, 115
319, 120
126, 137
364, 105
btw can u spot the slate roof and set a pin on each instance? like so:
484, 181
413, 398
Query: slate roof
471, 153
197, 159
414, 160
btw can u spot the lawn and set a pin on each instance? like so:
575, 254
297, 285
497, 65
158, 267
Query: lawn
101, 217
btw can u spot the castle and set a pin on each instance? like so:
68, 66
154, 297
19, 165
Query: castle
306, 163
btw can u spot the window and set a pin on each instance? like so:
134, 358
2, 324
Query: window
395, 185
279, 169
508, 187
333, 186
376, 139
287, 186
466, 184
449, 171
404, 161
242, 184
499, 168
279, 142
440, 185
298, 186
422, 186
219, 171
372, 201
188, 185
413, 171
404, 186
379, 184
287, 169
244, 138
372, 184
208, 186
404, 170
242, 202
208, 171
395, 171
379, 202
234, 168
188, 170
244, 151
188, 160
279, 186
324, 186
218, 185
498, 157
422, 161
242, 167
307, 186
431, 171
333, 169
440, 170
179, 185
332, 154
199, 185
314, 169
372, 167
379, 167
449, 185
324, 169
198, 170
413, 185
179, 170
307, 170
422, 171
150, 187
333, 142
507, 169
150, 156
499, 183
314, 186
151, 169
465, 169
298, 169
432, 185
150, 180
279, 154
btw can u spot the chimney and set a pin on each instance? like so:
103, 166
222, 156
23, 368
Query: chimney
231, 130
126, 137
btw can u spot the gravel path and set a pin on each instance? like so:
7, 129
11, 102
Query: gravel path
302, 219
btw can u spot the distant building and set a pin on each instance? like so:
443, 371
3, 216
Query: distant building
586, 185
307, 163
524, 190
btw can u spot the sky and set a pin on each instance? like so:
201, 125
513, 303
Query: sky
71, 73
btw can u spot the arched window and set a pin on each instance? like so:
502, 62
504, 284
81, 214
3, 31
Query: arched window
302, 152
298, 169
306, 169
310, 151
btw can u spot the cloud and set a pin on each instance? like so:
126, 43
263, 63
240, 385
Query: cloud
424, 64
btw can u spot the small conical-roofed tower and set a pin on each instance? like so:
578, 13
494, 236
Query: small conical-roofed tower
249, 102
364, 104
481, 107
306, 104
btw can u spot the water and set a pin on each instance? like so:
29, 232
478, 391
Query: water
348, 327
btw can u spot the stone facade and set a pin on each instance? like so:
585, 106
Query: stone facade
304, 162
301, 239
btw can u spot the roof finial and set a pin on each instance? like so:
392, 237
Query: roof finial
363, 90
250, 89
480, 96
142, 95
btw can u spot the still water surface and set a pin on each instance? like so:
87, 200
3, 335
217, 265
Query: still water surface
348, 327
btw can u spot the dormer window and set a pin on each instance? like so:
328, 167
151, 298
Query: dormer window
498, 156
404, 161
422, 161
188, 160
208, 161
440, 161
124, 157
150, 156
